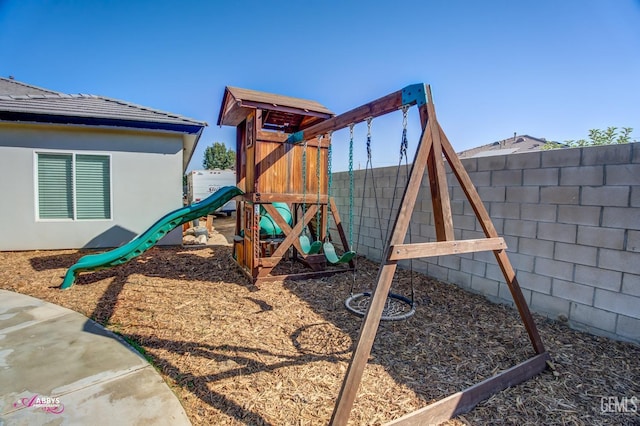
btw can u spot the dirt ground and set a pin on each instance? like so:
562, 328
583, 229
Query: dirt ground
276, 355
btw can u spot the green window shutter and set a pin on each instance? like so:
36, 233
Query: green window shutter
55, 187
93, 187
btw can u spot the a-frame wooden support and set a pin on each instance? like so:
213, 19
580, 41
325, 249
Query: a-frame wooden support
430, 153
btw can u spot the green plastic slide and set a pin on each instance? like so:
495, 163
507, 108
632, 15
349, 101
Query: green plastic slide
146, 240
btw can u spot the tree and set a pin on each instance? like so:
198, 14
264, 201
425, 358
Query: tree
218, 157
596, 137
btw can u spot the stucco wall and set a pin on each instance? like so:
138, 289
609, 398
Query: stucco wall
571, 219
146, 171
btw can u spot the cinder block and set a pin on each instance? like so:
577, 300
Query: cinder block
522, 262
633, 241
631, 284
560, 194
635, 195
584, 175
598, 278
494, 162
580, 215
547, 176
593, 317
526, 160
451, 262
636, 152
523, 194
561, 157
485, 286
470, 164
539, 212
572, 291
438, 272
505, 210
534, 282
468, 234
535, 247
457, 207
506, 178
617, 260
459, 278
618, 303
494, 272
520, 228
607, 154
629, 328
581, 255
484, 256
473, 267
464, 222
491, 193
498, 224
622, 174
616, 196
505, 294
480, 179
612, 238
554, 269
552, 306
562, 232
620, 217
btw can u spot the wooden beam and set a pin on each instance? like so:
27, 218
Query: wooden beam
442, 248
284, 198
440, 201
501, 256
386, 272
464, 401
291, 234
381, 106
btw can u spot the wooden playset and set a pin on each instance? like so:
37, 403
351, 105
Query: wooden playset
274, 136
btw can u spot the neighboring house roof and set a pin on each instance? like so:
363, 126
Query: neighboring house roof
284, 112
23, 102
515, 144
9, 86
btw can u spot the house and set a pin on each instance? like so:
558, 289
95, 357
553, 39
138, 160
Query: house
512, 145
86, 171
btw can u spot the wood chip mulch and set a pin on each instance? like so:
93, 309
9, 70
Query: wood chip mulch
235, 354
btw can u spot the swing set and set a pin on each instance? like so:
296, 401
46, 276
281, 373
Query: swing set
274, 133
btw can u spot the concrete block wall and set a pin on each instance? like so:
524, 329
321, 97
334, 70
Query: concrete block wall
570, 217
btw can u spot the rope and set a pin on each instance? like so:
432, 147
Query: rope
351, 187
330, 182
320, 137
304, 185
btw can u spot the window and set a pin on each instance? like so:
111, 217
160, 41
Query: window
73, 186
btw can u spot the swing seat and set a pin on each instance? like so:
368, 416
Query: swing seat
332, 257
308, 247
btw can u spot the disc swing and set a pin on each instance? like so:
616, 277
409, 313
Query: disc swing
305, 243
327, 247
397, 307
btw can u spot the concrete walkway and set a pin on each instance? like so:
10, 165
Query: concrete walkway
58, 367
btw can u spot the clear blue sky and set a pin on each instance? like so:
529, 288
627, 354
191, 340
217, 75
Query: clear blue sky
547, 68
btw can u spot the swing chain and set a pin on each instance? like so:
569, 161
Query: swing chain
330, 180
304, 181
317, 226
404, 145
351, 186
369, 138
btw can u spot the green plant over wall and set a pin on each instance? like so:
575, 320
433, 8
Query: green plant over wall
610, 136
